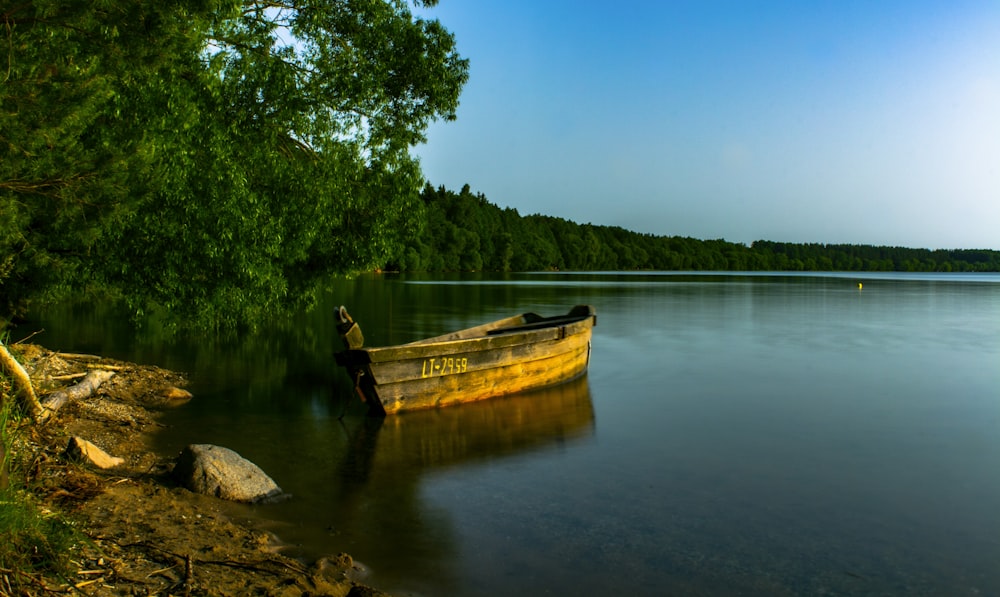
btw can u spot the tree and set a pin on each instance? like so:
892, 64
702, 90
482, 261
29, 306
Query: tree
217, 159
62, 168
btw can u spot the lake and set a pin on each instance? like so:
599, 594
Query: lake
737, 434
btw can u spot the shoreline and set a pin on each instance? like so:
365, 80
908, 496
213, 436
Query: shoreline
144, 533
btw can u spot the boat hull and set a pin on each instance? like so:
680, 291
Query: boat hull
506, 357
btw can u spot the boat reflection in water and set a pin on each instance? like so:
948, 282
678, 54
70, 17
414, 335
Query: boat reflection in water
420, 440
384, 506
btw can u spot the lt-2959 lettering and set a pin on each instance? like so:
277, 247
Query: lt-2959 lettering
444, 366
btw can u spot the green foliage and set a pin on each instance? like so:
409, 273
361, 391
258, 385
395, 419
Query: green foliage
35, 540
466, 232
215, 160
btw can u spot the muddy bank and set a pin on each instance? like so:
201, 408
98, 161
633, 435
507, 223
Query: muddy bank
146, 535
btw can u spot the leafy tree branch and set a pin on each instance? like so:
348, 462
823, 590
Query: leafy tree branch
217, 160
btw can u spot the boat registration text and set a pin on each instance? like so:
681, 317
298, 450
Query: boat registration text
444, 366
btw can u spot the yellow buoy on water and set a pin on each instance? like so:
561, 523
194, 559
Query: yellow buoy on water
859, 285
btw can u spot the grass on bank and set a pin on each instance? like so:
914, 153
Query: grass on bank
37, 542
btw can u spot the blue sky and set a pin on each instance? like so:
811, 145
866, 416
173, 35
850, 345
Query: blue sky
871, 122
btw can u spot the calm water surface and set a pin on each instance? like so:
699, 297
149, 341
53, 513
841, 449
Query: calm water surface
736, 434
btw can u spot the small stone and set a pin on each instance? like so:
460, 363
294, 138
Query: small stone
80, 449
334, 567
175, 394
365, 591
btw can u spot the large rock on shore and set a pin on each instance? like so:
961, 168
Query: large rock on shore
221, 472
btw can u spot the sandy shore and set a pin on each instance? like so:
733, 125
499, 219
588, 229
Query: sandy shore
145, 535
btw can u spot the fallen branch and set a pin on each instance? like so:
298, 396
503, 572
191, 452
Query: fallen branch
77, 356
258, 566
8, 588
162, 572
188, 575
86, 387
29, 336
21, 380
108, 367
84, 583
67, 377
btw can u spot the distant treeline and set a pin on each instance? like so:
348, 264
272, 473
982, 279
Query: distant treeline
465, 232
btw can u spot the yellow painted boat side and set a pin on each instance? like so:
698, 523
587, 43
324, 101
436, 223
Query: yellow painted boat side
504, 357
495, 373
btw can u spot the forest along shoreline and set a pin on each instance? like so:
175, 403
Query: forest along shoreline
141, 532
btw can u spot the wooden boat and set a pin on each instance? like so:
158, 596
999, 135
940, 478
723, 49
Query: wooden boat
507, 356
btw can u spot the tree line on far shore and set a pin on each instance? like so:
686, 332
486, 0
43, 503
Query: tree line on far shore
465, 232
